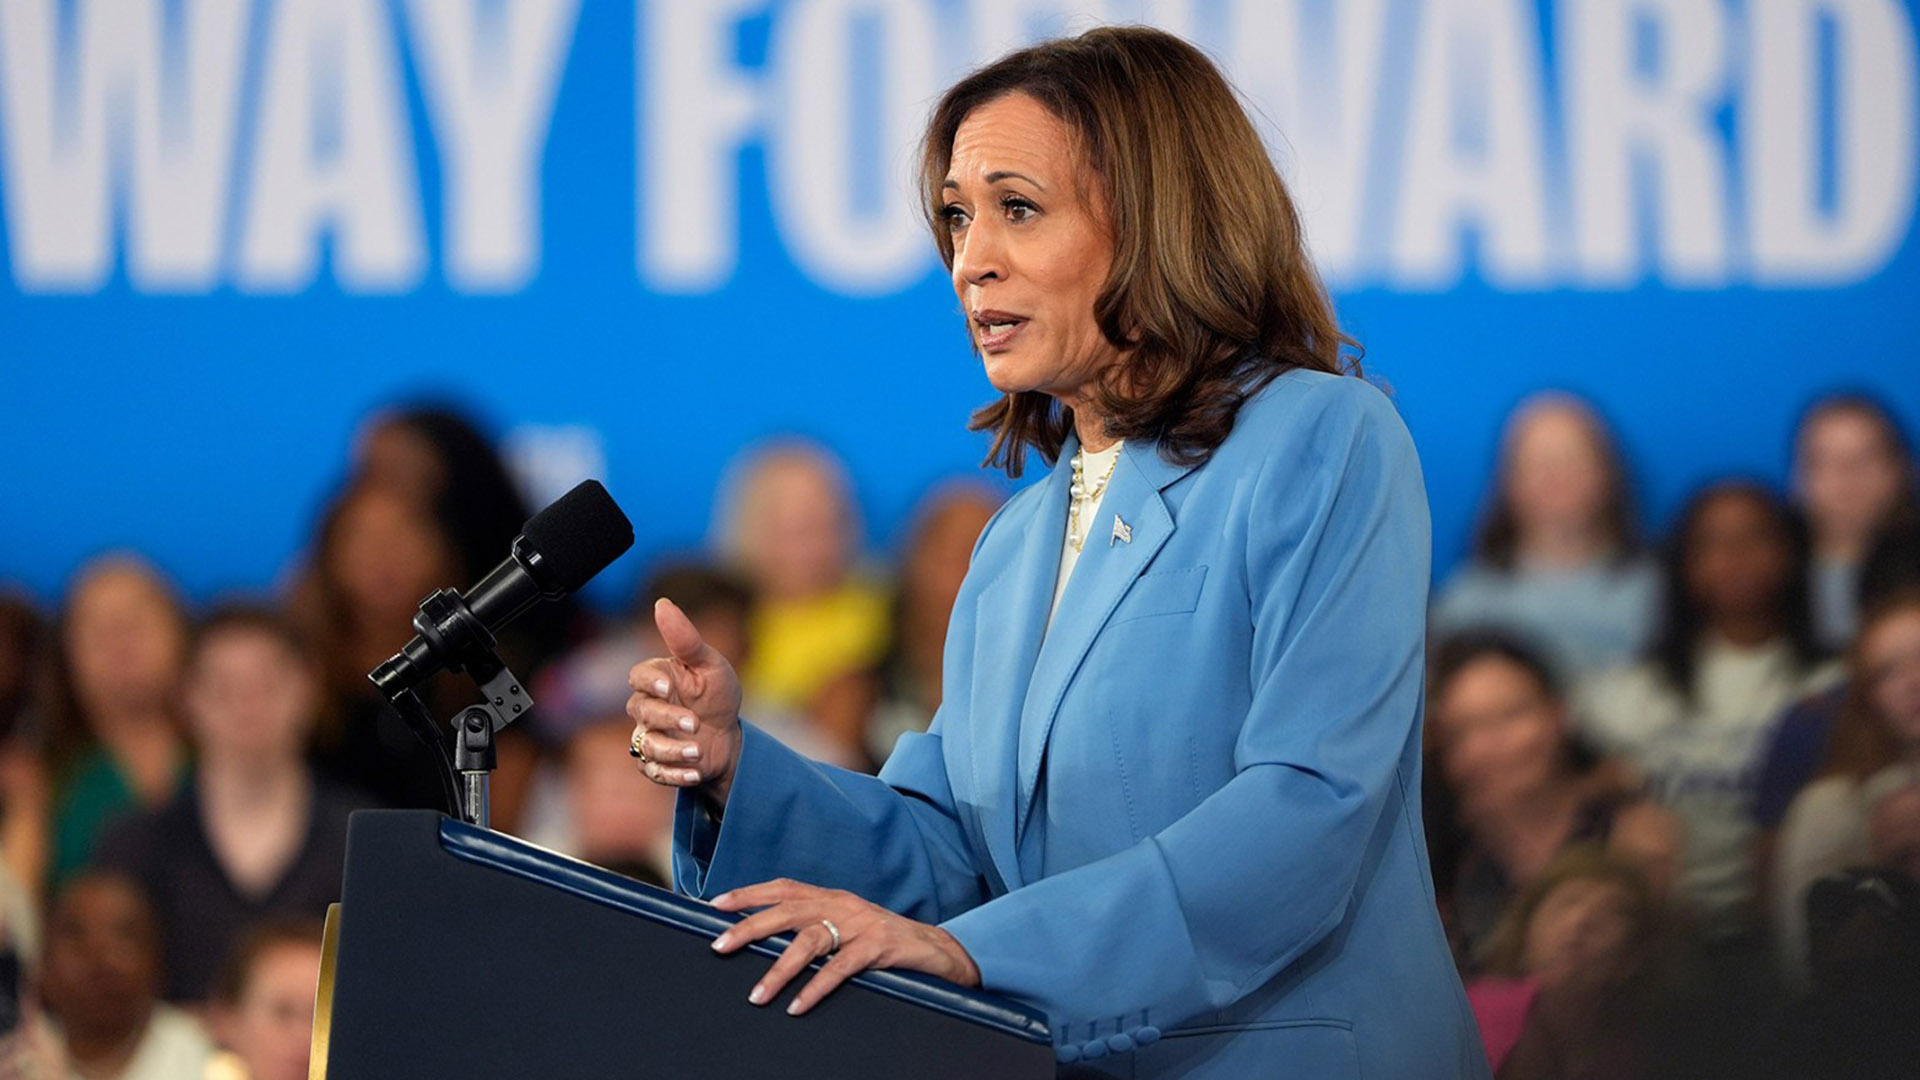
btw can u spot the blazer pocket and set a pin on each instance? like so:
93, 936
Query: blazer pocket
1161, 592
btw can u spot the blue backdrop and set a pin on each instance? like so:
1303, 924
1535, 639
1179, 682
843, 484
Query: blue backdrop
635, 237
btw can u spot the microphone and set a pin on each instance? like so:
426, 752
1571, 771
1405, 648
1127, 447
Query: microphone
558, 550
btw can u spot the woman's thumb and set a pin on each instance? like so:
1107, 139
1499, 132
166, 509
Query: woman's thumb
678, 633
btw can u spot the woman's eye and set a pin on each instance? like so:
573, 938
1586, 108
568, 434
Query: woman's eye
1017, 208
953, 215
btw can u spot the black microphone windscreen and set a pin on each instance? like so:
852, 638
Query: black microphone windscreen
577, 536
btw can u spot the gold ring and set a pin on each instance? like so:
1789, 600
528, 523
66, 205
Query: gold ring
639, 745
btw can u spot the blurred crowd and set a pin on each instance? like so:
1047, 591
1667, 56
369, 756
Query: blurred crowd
1672, 792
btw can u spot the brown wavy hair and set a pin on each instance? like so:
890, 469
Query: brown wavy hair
1211, 294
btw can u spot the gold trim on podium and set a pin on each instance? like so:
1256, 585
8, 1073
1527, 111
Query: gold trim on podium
323, 1000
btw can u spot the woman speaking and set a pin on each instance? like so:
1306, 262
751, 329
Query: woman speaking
1171, 796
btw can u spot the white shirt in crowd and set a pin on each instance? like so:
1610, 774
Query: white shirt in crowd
1702, 759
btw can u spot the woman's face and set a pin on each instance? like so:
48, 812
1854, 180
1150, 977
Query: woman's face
387, 556
798, 544
1556, 476
125, 642
248, 695
1890, 666
1581, 928
1737, 559
1848, 475
1501, 736
1031, 248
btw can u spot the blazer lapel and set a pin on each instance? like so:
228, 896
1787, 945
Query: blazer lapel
1009, 618
1130, 527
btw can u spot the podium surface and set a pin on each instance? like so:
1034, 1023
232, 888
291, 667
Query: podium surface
458, 952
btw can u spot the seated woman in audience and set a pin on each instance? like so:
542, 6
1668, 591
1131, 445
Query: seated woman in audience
1520, 787
790, 528
1853, 471
1875, 748
1557, 557
115, 739
100, 982
1565, 992
263, 1002
932, 563
1735, 647
256, 833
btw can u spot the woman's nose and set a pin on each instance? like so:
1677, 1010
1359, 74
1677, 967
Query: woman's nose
979, 257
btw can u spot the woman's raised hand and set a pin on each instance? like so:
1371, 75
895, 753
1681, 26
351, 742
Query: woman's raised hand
686, 710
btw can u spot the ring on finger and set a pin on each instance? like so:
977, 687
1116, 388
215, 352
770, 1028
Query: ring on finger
835, 931
637, 746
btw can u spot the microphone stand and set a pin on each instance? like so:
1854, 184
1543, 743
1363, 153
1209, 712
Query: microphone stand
465, 772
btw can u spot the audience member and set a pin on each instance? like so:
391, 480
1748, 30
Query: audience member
1521, 788
262, 1007
100, 983
933, 562
789, 526
1799, 742
378, 555
1853, 470
255, 833
1557, 556
1893, 830
1875, 747
1564, 995
1736, 645
115, 741
25, 809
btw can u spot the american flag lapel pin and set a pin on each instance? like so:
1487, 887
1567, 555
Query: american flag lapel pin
1122, 532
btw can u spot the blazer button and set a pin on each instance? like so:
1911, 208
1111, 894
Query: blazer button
1095, 1049
1066, 1055
1146, 1036
1120, 1044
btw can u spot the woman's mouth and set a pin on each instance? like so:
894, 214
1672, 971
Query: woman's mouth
996, 330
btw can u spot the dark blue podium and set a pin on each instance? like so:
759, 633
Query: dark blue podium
460, 953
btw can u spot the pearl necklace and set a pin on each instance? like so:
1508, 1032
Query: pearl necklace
1080, 493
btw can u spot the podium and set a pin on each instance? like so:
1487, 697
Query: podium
460, 953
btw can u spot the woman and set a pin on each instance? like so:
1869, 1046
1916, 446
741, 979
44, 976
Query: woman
1178, 819
116, 743
790, 529
1521, 788
1557, 556
1735, 647
1853, 473
263, 1002
1874, 750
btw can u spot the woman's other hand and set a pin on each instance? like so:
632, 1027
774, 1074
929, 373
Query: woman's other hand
870, 936
686, 710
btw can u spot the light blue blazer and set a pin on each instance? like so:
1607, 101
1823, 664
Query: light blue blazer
1185, 820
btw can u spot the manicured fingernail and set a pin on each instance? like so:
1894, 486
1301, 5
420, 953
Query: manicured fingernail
721, 901
691, 753
759, 995
690, 776
793, 1007
688, 723
720, 943
660, 687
